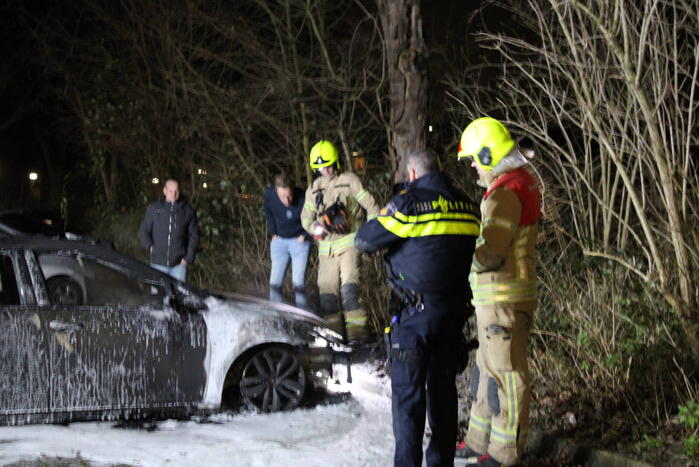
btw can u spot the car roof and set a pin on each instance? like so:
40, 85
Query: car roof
90, 248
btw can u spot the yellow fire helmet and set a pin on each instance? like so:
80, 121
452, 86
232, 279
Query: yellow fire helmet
487, 141
324, 154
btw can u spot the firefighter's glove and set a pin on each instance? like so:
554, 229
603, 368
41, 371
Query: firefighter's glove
318, 231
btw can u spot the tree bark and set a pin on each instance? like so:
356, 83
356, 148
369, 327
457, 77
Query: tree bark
406, 56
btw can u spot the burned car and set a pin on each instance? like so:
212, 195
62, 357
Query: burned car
143, 344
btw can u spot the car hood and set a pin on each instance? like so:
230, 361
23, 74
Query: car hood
265, 306
275, 310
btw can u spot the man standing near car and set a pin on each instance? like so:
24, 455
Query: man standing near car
170, 232
430, 231
283, 204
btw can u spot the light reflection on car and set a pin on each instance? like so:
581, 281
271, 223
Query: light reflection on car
141, 344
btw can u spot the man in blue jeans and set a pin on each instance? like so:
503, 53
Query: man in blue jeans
283, 204
170, 232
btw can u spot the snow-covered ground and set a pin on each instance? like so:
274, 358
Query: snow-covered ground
353, 432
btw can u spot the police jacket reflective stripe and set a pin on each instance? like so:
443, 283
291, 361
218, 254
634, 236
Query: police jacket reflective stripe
430, 230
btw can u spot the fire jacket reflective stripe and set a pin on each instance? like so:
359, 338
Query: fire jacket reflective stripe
492, 293
333, 247
347, 188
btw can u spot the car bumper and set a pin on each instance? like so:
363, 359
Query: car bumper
319, 361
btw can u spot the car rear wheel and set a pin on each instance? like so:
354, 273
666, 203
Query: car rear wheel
64, 291
273, 379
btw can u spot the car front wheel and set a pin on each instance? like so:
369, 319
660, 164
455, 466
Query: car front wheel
64, 291
273, 379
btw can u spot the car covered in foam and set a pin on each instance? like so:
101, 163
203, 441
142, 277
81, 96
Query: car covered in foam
142, 344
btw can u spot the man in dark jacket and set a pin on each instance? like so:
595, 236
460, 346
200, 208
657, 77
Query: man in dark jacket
170, 232
283, 204
430, 232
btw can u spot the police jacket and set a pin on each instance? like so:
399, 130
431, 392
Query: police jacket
343, 187
430, 232
172, 230
504, 264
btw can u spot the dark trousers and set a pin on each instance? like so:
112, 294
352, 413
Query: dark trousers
427, 350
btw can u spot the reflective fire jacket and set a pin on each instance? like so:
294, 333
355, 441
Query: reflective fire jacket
504, 264
347, 188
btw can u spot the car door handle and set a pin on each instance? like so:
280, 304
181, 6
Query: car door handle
63, 326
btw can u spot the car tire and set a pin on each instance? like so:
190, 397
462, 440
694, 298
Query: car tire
273, 379
64, 291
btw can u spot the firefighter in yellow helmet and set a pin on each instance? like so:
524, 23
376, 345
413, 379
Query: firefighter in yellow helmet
331, 214
504, 284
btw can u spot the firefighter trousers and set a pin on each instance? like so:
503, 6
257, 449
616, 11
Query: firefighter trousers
500, 382
338, 276
427, 351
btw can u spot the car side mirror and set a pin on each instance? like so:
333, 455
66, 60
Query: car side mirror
173, 303
174, 300
171, 299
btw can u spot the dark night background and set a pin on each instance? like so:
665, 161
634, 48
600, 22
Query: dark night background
101, 97
31, 138
40, 133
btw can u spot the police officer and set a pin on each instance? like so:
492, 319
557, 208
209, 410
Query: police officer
430, 232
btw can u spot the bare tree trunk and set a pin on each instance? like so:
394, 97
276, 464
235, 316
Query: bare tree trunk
300, 165
406, 56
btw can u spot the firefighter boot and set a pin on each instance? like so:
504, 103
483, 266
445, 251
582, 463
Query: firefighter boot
329, 310
355, 317
463, 451
355, 322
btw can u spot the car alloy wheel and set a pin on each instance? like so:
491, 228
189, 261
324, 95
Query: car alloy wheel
273, 379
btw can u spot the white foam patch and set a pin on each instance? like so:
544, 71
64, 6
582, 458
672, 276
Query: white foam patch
356, 432
233, 327
223, 329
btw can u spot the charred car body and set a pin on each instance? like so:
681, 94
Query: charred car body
142, 344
